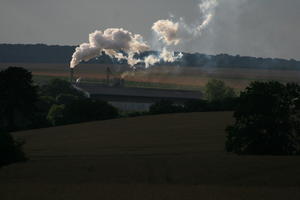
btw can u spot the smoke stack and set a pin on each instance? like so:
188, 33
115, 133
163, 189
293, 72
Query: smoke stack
108, 72
71, 75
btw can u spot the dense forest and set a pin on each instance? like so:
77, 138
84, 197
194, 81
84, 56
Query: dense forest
41, 53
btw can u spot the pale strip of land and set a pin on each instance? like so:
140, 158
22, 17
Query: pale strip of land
194, 77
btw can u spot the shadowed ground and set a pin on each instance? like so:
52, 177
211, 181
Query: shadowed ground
178, 156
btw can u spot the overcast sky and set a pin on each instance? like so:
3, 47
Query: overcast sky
266, 28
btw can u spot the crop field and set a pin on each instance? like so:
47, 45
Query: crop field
162, 76
178, 156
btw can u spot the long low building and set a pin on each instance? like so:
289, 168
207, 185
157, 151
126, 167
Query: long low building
136, 99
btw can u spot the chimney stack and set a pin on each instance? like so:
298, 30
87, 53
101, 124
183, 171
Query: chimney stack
71, 75
108, 73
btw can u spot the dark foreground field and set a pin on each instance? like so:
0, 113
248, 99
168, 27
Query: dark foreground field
154, 157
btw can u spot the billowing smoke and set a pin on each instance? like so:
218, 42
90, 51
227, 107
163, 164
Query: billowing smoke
167, 31
173, 33
122, 44
165, 55
114, 42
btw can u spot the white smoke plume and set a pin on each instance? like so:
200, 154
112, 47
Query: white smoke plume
165, 55
111, 41
167, 31
173, 33
207, 9
78, 80
117, 41
151, 60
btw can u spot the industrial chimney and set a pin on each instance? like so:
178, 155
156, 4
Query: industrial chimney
71, 75
108, 73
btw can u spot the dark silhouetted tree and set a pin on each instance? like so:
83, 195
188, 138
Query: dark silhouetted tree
165, 106
267, 120
43, 105
81, 110
66, 98
10, 149
17, 97
84, 109
196, 106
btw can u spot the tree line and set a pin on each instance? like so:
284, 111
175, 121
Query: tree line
41, 53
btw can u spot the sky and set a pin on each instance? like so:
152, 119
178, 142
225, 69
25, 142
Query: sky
260, 28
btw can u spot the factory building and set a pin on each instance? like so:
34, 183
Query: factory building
132, 98
136, 99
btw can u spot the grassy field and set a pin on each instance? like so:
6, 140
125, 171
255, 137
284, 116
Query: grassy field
159, 77
179, 156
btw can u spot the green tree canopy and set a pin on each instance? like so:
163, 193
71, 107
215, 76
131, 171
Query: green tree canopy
56, 115
216, 90
58, 86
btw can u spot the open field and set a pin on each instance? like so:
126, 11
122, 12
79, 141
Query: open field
179, 156
164, 76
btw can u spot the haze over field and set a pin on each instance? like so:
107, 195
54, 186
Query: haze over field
246, 27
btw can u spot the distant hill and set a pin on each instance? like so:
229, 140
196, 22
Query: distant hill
41, 53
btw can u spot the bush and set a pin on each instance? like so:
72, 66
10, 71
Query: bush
217, 91
267, 120
10, 150
81, 110
196, 106
206, 106
39, 118
134, 114
165, 106
65, 98
228, 104
56, 115
57, 86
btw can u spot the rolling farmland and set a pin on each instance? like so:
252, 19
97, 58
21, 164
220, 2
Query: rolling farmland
163, 76
179, 156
